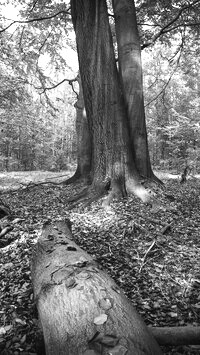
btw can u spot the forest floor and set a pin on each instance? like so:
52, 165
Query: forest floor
153, 253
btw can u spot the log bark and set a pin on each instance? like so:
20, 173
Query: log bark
176, 336
81, 309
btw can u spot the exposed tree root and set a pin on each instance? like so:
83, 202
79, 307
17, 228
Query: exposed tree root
88, 195
36, 184
151, 180
79, 197
117, 188
155, 179
78, 177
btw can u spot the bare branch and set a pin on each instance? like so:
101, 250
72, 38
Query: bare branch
21, 38
170, 77
163, 88
34, 4
149, 24
182, 25
70, 81
36, 19
167, 28
46, 39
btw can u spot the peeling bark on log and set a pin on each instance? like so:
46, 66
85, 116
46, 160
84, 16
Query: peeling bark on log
81, 309
176, 336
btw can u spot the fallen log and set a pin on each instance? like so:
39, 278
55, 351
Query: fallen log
81, 309
176, 336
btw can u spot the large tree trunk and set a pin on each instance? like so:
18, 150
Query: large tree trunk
112, 151
80, 307
130, 69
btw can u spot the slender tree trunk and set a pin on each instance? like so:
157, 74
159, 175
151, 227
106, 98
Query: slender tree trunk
84, 140
112, 154
130, 69
83, 136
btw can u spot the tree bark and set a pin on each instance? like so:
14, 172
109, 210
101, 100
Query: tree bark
112, 154
81, 309
130, 69
84, 146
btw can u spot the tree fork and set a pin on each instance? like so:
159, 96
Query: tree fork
81, 309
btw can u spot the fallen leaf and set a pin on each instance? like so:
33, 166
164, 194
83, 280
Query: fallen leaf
5, 329
101, 319
20, 321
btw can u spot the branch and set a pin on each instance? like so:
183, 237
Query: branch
182, 25
163, 88
145, 256
36, 19
170, 77
56, 85
167, 28
71, 83
46, 39
34, 4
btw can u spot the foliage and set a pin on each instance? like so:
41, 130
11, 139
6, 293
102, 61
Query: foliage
171, 85
33, 136
35, 122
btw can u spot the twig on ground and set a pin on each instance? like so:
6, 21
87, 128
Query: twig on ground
166, 228
145, 255
35, 184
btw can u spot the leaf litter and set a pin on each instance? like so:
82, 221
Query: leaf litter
159, 270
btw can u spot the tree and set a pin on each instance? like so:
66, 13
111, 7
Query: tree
157, 20
129, 59
113, 158
84, 140
130, 70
